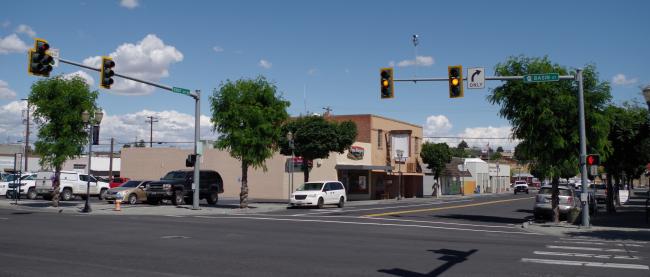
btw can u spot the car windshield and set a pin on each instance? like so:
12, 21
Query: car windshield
311, 186
174, 175
9, 178
563, 192
130, 184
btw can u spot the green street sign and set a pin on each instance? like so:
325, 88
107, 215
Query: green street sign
539, 78
181, 90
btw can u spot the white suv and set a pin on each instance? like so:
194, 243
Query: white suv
318, 194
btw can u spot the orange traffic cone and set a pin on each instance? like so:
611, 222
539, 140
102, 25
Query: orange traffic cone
118, 201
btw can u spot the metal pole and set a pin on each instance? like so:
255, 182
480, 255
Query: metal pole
583, 149
110, 163
197, 164
26, 156
87, 208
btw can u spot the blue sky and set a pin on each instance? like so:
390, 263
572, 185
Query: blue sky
330, 51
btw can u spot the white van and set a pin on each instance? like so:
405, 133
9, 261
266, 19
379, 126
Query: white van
319, 193
72, 184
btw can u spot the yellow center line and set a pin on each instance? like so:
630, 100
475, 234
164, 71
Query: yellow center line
447, 208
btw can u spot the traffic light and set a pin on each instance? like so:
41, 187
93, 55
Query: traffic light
593, 159
387, 90
190, 161
40, 61
106, 74
455, 81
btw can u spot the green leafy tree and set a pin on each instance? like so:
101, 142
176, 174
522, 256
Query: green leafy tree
500, 149
436, 155
59, 103
462, 145
496, 156
248, 115
140, 144
544, 116
315, 138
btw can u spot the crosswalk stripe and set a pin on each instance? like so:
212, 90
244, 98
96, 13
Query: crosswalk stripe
601, 240
589, 248
590, 264
586, 255
601, 243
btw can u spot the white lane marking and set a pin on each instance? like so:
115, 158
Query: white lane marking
586, 255
591, 264
171, 215
602, 240
439, 222
4, 218
380, 208
368, 223
601, 243
589, 248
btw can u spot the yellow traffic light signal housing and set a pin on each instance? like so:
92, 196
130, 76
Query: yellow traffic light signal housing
455, 81
40, 61
386, 83
593, 159
107, 73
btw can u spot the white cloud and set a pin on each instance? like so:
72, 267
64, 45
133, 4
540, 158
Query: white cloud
312, 71
11, 123
149, 59
12, 44
391, 64
437, 125
5, 91
172, 126
420, 61
265, 64
489, 132
24, 29
217, 49
83, 74
129, 4
6, 23
622, 80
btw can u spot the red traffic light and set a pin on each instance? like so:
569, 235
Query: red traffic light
593, 160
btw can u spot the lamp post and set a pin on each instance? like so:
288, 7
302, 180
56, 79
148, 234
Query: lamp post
290, 139
90, 123
400, 154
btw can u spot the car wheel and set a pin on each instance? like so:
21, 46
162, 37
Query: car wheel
133, 199
66, 195
102, 194
320, 203
31, 194
341, 202
213, 198
178, 198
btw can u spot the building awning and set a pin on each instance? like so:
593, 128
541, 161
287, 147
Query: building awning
362, 167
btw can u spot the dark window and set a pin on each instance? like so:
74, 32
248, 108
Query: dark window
328, 186
380, 138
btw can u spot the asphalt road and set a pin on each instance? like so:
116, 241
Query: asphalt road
459, 237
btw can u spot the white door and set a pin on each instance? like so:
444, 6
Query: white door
331, 193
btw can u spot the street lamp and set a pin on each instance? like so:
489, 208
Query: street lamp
90, 124
400, 154
290, 139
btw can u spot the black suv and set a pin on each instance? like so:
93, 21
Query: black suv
177, 186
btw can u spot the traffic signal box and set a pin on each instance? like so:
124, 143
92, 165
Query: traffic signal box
593, 159
386, 83
455, 81
40, 61
107, 73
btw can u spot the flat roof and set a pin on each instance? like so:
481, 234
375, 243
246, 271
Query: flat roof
379, 116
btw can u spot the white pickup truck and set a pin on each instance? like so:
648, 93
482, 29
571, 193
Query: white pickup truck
72, 184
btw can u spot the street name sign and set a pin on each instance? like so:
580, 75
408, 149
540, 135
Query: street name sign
540, 78
476, 77
181, 90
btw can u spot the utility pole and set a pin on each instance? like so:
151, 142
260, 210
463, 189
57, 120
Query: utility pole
110, 163
151, 119
26, 156
328, 111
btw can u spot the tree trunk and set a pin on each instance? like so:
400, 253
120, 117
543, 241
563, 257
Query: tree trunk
305, 169
555, 199
243, 195
56, 183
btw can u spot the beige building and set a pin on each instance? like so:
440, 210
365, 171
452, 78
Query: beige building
368, 170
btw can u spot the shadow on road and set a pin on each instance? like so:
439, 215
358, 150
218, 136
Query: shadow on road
483, 218
614, 235
451, 258
524, 211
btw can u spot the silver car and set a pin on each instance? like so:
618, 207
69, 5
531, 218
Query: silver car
568, 200
130, 192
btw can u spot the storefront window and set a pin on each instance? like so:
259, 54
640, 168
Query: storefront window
358, 182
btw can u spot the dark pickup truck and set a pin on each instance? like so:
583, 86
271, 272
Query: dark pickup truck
177, 187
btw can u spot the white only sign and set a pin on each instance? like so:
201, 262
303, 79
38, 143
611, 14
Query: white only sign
475, 78
55, 56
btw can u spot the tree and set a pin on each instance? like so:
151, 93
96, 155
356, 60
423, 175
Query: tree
248, 114
500, 149
140, 144
496, 156
462, 145
436, 155
315, 138
59, 103
544, 116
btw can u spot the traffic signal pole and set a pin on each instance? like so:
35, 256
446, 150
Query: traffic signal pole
197, 131
581, 113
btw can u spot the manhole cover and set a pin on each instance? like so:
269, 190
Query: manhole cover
175, 237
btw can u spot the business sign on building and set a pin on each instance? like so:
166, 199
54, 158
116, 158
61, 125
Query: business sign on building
356, 153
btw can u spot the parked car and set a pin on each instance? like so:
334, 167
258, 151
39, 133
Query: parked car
177, 186
521, 186
118, 181
319, 193
567, 197
600, 191
131, 192
26, 186
72, 184
8, 179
